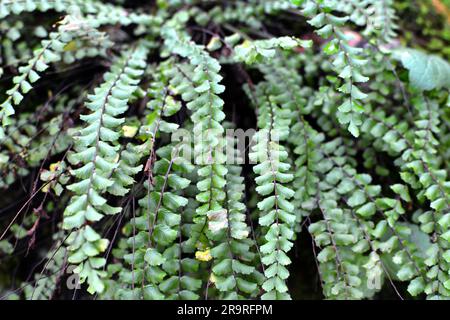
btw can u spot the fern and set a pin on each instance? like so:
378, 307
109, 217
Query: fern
347, 61
95, 149
275, 206
188, 150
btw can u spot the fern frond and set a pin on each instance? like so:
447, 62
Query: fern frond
207, 115
347, 61
276, 210
416, 163
51, 51
96, 150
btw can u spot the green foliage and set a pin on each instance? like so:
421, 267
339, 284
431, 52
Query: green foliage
260, 50
96, 150
124, 168
50, 52
425, 72
347, 60
276, 210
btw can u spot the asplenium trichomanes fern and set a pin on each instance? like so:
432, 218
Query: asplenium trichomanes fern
193, 149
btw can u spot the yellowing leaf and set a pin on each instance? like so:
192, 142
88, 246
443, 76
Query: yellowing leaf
129, 131
203, 255
102, 244
71, 46
46, 188
55, 166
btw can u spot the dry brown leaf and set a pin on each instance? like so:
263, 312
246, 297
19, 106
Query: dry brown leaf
442, 9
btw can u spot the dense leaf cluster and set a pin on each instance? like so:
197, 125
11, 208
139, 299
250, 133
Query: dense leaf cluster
115, 167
